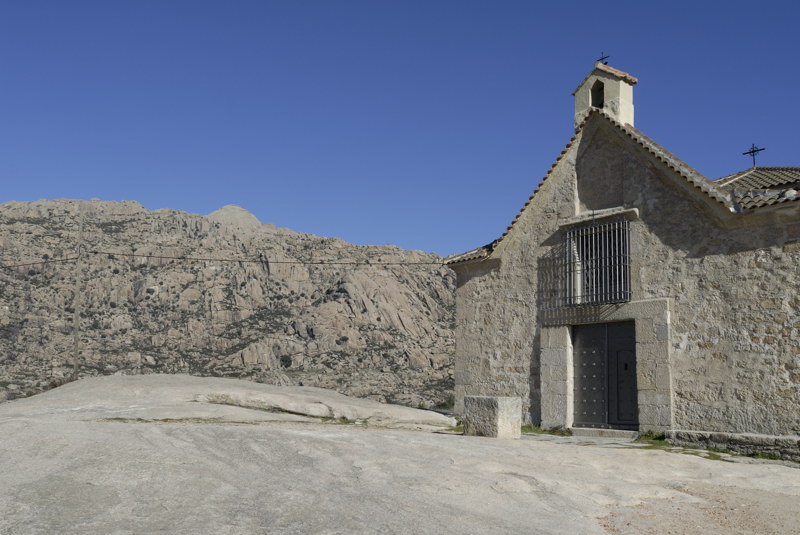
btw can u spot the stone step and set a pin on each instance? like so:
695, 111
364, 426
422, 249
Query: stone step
596, 432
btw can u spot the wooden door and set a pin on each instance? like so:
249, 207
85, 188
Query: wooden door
604, 373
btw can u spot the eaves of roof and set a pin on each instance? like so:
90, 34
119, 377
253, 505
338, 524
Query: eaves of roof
692, 176
730, 201
470, 256
758, 178
749, 200
725, 180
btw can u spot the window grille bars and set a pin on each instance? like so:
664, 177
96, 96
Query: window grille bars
597, 264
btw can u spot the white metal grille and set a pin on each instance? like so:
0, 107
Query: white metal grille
597, 264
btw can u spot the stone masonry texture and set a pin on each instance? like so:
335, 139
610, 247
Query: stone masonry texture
492, 416
713, 297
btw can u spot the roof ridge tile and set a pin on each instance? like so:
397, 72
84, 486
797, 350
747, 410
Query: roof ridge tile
610, 70
690, 174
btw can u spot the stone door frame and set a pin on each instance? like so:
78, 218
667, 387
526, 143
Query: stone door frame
653, 375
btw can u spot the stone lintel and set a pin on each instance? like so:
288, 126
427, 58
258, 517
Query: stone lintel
593, 215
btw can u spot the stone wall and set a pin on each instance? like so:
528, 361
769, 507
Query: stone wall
785, 447
722, 354
497, 332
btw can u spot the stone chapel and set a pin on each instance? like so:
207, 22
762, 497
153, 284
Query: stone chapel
633, 293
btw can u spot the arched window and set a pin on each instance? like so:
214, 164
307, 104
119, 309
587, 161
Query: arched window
597, 94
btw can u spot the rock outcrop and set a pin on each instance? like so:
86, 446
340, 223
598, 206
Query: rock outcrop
217, 295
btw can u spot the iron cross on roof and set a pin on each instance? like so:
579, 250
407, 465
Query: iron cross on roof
752, 152
603, 58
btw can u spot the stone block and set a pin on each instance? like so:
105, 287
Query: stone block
463, 377
664, 416
744, 443
788, 443
549, 374
648, 415
646, 379
492, 416
662, 332
663, 378
654, 398
645, 332
649, 353
552, 356
554, 409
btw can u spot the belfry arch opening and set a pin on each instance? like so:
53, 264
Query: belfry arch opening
598, 95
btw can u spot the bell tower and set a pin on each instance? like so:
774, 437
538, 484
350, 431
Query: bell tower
608, 89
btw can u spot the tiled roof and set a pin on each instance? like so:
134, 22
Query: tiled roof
610, 70
750, 199
761, 178
476, 254
693, 176
688, 173
735, 200
616, 72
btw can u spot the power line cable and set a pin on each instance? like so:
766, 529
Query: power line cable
39, 262
266, 260
263, 260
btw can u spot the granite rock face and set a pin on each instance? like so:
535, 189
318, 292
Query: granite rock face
278, 306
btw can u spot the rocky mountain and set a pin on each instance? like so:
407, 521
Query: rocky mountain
102, 287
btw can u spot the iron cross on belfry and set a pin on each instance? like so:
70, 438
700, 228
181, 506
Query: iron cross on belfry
752, 152
603, 59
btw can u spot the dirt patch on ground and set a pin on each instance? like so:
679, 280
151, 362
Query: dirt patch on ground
716, 509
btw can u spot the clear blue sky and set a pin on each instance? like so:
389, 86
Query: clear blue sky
424, 124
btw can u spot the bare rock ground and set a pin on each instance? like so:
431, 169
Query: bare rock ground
153, 454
